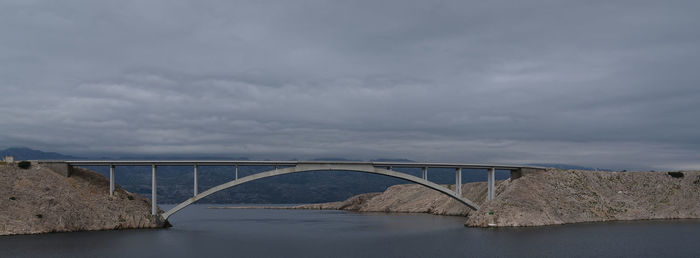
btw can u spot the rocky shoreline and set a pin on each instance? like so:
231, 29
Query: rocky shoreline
548, 197
37, 200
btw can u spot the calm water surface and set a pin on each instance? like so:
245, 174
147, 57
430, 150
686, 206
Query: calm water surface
202, 232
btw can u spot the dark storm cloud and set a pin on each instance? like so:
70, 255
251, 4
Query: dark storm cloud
600, 83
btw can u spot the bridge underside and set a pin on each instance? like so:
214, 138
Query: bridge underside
327, 167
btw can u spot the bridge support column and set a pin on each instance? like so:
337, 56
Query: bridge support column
195, 180
492, 184
425, 173
111, 180
236, 172
458, 183
154, 188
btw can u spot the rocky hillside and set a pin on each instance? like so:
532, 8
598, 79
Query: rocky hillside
549, 197
559, 197
36, 200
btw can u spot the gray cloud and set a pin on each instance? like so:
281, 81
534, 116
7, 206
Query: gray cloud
599, 83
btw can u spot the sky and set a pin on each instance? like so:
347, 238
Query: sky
611, 84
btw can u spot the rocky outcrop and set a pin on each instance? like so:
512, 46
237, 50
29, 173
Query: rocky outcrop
559, 197
36, 200
409, 198
548, 197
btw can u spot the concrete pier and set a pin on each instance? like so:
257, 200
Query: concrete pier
195, 179
111, 180
154, 190
492, 184
458, 183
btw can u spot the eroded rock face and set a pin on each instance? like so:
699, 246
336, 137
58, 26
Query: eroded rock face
559, 197
36, 200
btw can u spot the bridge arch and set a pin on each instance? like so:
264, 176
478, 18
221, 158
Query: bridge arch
320, 167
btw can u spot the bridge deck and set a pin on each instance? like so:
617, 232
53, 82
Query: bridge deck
290, 163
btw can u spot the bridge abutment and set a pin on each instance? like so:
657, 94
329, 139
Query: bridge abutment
518, 173
59, 167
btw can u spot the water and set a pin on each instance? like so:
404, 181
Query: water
202, 232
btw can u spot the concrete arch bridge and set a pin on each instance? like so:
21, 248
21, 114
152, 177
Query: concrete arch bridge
289, 167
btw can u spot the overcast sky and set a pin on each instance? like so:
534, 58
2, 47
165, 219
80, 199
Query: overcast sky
596, 83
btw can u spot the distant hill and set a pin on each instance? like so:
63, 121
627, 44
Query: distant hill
22, 153
566, 166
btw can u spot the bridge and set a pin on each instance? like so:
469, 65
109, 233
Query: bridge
289, 167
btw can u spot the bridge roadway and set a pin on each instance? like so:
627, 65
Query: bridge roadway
287, 167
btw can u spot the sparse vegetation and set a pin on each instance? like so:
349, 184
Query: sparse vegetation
130, 197
12, 198
39, 216
24, 164
697, 181
676, 174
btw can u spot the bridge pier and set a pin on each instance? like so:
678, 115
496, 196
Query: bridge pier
195, 180
492, 184
425, 173
111, 180
458, 183
236, 172
154, 188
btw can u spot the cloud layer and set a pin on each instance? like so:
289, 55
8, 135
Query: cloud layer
599, 83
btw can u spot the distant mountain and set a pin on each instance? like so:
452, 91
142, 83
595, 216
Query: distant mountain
374, 160
566, 166
22, 153
333, 159
393, 160
183, 157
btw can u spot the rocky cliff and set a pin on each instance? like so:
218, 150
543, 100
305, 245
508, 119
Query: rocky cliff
37, 200
549, 197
